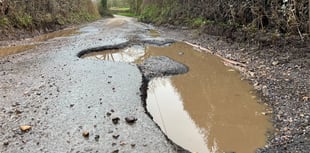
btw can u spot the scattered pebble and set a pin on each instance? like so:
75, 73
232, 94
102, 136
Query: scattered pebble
25, 128
131, 120
115, 151
115, 120
97, 137
115, 136
6, 143
86, 134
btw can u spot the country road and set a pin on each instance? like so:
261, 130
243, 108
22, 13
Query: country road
56, 99
70, 103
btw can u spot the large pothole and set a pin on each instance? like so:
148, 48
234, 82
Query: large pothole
208, 109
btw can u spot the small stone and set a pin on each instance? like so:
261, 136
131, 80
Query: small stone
122, 143
6, 143
114, 144
275, 63
133, 145
18, 111
115, 151
131, 120
71, 105
109, 114
112, 110
86, 134
115, 136
97, 137
25, 128
115, 120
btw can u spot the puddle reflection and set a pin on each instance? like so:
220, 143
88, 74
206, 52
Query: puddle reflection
134, 53
166, 106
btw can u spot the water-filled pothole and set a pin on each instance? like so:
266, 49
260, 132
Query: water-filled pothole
208, 109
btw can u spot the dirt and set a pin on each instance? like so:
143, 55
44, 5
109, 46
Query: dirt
279, 73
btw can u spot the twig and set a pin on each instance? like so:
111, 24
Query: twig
226, 61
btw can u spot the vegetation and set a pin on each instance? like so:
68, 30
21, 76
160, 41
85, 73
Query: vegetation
44, 15
278, 16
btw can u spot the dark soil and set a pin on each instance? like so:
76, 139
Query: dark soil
278, 70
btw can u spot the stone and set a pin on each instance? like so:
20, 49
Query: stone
25, 128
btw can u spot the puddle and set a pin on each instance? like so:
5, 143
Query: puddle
44, 37
133, 54
154, 33
15, 49
61, 33
208, 109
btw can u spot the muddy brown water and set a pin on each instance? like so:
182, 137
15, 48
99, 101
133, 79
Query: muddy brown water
15, 49
44, 37
209, 109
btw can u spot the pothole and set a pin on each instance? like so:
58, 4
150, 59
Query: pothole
208, 109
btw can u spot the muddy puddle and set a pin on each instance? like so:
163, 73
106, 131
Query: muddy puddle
15, 49
60, 33
37, 40
208, 109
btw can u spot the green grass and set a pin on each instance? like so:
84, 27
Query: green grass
129, 14
119, 9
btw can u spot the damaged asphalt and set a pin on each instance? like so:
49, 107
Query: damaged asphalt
68, 104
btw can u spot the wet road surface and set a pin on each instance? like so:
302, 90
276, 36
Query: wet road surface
73, 104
